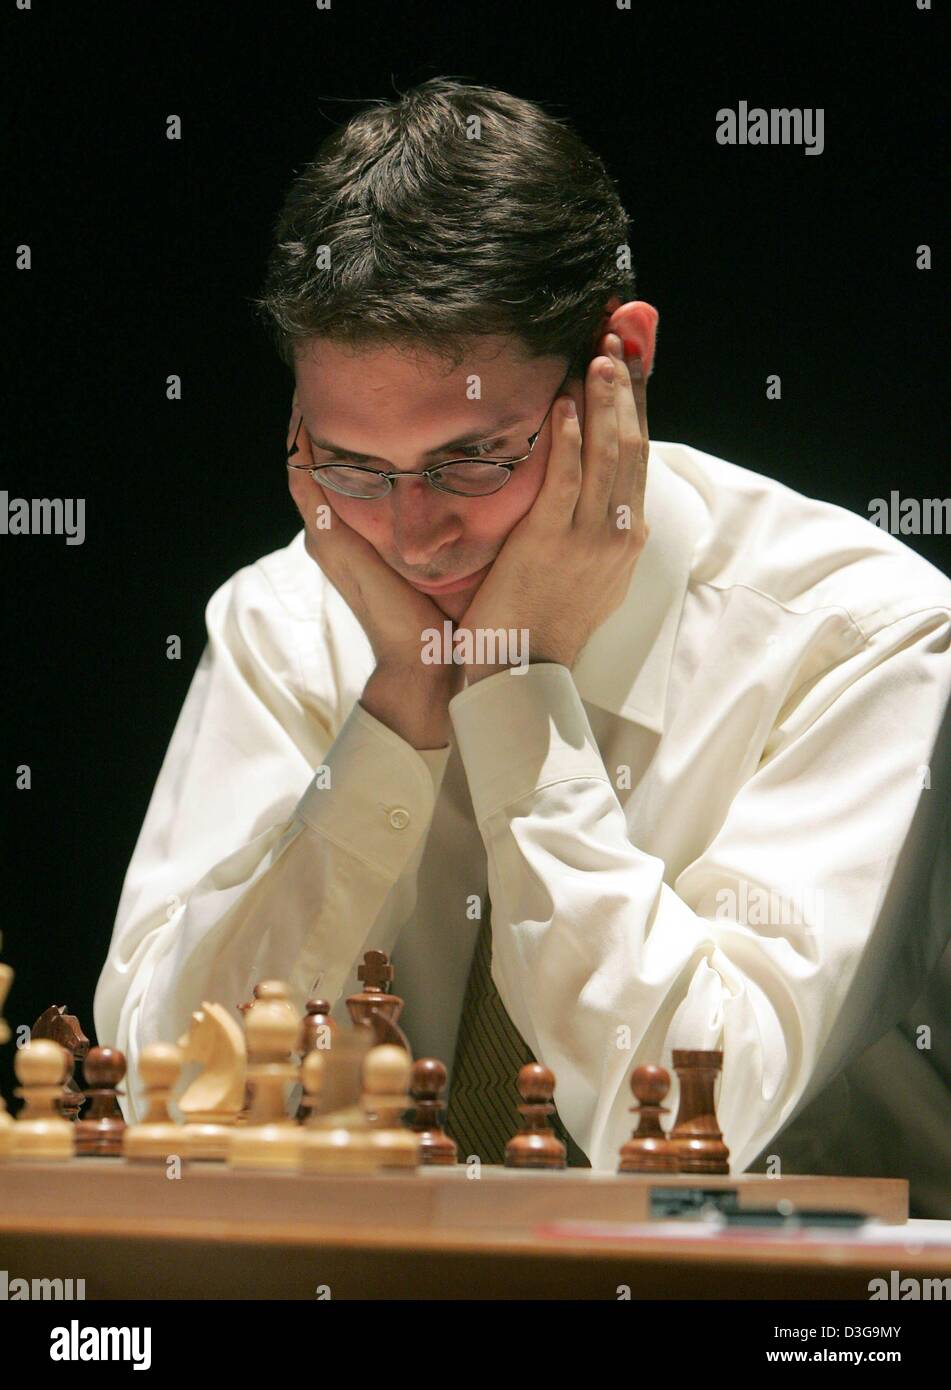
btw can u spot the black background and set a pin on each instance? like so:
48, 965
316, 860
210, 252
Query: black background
145, 252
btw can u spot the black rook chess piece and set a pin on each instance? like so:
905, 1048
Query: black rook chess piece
695, 1138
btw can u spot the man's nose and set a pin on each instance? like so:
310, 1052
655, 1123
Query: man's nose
424, 520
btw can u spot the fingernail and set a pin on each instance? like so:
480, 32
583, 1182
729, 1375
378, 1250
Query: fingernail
613, 344
636, 368
571, 410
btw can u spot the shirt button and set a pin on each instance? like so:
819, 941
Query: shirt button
399, 818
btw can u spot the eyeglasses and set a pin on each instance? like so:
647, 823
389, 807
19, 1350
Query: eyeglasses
463, 477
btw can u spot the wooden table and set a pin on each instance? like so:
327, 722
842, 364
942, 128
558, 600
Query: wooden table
431, 1233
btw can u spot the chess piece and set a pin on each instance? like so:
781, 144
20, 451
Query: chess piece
213, 1101
334, 1142
99, 1132
386, 1075
332, 1080
374, 1005
317, 1031
63, 1028
536, 1145
40, 1132
157, 1138
6, 980
427, 1083
695, 1138
6, 1121
317, 1028
648, 1149
243, 1010
269, 1138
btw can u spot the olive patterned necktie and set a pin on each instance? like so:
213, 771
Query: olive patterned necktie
482, 1114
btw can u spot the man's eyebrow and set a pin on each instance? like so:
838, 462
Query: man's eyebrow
474, 437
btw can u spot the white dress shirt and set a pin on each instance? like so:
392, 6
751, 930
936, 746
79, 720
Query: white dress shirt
686, 839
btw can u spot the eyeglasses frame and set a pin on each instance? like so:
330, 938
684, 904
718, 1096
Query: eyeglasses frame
505, 465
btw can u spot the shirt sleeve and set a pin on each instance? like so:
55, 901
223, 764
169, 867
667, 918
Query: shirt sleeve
275, 840
603, 963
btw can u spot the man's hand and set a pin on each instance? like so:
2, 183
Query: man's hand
391, 612
568, 563
403, 692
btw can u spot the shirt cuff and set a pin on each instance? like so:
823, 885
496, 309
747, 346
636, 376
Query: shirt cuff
374, 794
520, 730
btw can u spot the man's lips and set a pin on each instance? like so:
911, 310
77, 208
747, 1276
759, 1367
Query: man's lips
451, 585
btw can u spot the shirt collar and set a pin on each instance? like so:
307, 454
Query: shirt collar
625, 666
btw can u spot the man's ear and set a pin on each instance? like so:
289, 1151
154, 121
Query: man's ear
636, 325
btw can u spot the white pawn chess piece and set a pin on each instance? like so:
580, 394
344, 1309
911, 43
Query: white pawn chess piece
157, 1138
270, 1138
386, 1077
213, 1101
40, 1132
333, 1142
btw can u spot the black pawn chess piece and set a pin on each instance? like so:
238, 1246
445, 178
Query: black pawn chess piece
648, 1150
695, 1137
313, 1038
427, 1083
536, 1145
100, 1130
316, 1019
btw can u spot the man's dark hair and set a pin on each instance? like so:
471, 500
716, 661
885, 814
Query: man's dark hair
441, 229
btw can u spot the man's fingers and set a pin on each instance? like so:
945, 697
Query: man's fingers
639, 392
556, 499
630, 481
309, 497
600, 452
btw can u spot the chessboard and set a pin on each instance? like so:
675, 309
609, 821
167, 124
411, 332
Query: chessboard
131, 1231
235, 1187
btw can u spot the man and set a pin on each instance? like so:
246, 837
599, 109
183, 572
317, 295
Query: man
658, 799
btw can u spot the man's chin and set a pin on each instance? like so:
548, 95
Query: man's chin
453, 605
